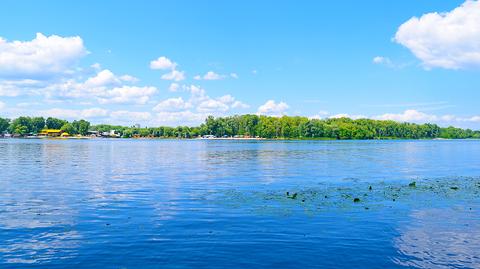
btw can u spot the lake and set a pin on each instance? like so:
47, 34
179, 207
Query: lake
239, 204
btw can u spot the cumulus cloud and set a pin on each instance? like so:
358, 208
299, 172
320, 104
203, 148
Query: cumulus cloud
96, 66
410, 115
42, 56
104, 87
210, 75
380, 60
344, 115
198, 106
172, 105
181, 117
447, 40
102, 78
128, 78
74, 113
320, 115
272, 108
200, 101
163, 63
174, 75
130, 116
2, 105
234, 75
174, 87
12, 88
127, 94
212, 105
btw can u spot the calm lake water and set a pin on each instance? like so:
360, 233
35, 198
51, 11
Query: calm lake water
224, 204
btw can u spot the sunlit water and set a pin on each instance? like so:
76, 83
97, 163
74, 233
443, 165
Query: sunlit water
224, 204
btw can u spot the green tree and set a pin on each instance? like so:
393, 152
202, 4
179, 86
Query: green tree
38, 124
81, 127
68, 128
54, 123
4, 124
21, 126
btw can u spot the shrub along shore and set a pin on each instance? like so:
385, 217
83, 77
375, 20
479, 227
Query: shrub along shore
246, 126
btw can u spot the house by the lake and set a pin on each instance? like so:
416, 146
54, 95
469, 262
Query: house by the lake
51, 132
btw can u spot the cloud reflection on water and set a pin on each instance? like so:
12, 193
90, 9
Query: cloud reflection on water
440, 238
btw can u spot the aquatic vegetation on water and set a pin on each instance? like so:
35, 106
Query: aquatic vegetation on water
355, 196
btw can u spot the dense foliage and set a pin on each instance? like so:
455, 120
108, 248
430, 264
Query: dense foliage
253, 126
34, 125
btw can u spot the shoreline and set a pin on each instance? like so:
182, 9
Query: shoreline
236, 139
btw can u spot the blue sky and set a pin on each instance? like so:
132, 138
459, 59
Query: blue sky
174, 62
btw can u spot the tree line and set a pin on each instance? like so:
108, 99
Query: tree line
249, 125
33, 125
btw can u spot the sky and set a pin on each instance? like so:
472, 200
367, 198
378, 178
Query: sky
175, 62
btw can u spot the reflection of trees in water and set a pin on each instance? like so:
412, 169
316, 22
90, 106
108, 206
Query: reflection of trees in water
440, 238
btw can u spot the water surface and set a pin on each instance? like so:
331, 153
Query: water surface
224, 204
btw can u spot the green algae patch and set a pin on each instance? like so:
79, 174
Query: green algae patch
354, 196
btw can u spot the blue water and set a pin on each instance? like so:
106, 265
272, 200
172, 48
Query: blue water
223, 204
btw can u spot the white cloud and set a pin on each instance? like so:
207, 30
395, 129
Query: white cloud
74, 113
410, 115
416, 116
174, 75
344, 115
104, 87
14, 88
234, 75
474, 119
196, 108
94, 112
2, 105
232, 102
172, 105
320, 115
102, 78
179, 118
128, 78
240, 105
272, 108
96, 66
163, 63
447, 40
127, 94
210, 75
130, 116
174, 87
212, 105
42, 56
382, 60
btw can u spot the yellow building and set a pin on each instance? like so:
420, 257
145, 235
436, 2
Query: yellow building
51, 132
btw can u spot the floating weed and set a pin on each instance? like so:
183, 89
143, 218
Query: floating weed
385, 196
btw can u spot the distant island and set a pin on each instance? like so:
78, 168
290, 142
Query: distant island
239, 126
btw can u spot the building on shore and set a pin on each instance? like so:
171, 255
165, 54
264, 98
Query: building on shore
51, 132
